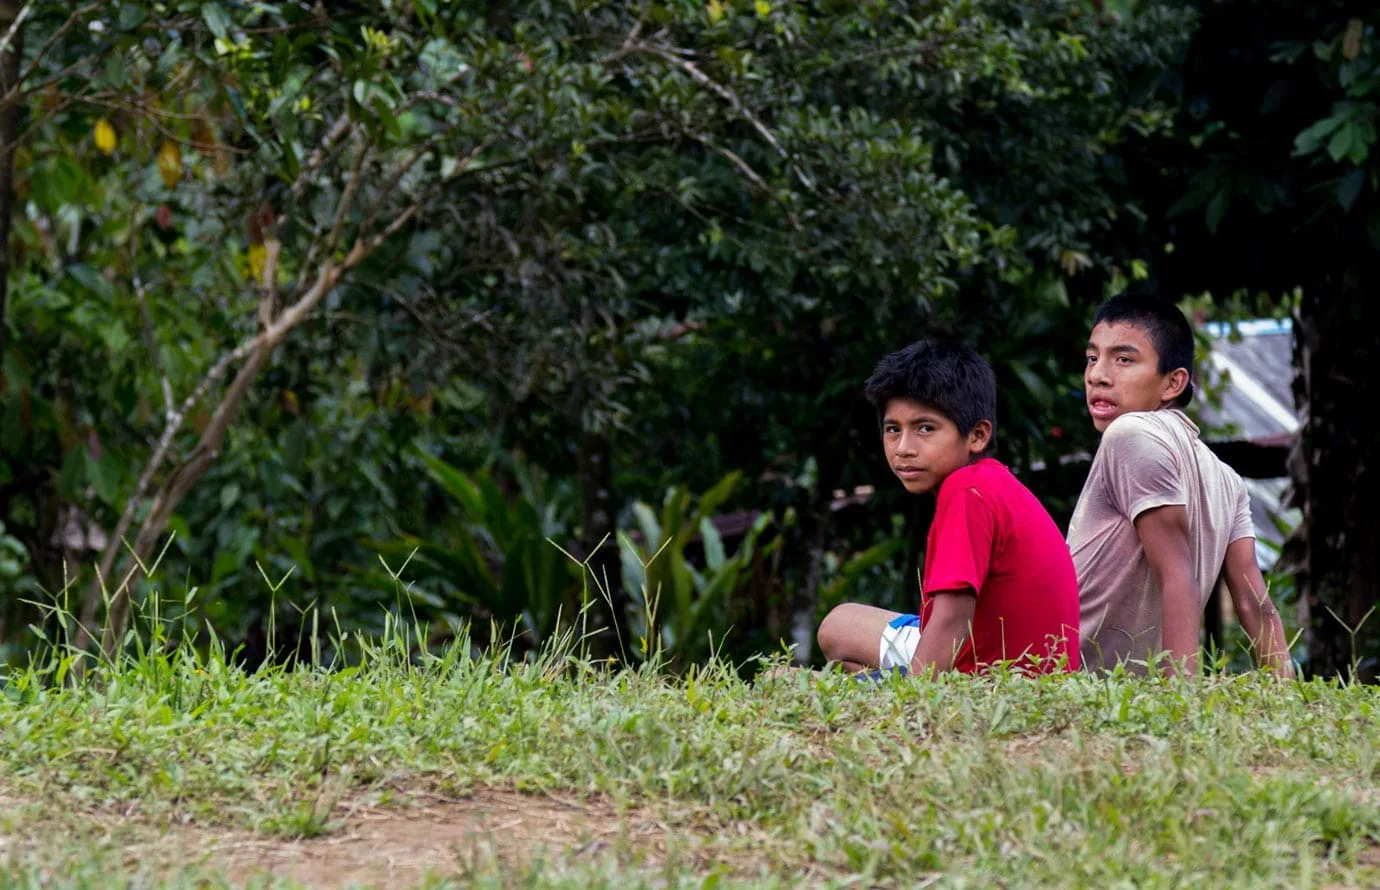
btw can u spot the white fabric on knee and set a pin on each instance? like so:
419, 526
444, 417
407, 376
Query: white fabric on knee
897, 646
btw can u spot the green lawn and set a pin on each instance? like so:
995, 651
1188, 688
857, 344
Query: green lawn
458, 772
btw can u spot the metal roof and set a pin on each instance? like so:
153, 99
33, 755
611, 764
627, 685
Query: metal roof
1256, 362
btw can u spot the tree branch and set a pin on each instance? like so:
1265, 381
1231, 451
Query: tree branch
151, 467
733, 159
268, 284
186, 474
153, 117
723, 92
14, 29
12, 91
346, 199
318, 155
387, 191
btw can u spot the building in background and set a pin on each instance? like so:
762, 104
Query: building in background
1246, 415
1247, 418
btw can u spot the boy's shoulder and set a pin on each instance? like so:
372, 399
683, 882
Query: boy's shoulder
1136, 425
1014, 508
988, 476
1142, 433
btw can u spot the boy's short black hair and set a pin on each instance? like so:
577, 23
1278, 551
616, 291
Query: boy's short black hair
949, 377
1169, 330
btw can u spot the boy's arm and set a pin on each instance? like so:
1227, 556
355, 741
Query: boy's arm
947, 629
1254, 608
1163, 533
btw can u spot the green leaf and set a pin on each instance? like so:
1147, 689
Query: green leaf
1341, 143
73, 474
1039, 390
115, 71
650, 528
92, 280
1216, 209
1311, 139
132, 15
714, 497
1360, 148
116, 337
104, 477
216, 18
457, 485
634, 573
387, 118
713, 545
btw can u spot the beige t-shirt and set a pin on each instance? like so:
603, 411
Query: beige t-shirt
1146, 460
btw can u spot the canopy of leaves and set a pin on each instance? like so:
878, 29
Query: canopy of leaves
480, 226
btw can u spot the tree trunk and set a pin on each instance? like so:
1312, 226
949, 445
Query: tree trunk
1335, 473
597, 527
188, 473
9, 128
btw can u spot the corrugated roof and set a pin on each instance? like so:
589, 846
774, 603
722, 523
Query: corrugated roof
1256, 359
1257, 402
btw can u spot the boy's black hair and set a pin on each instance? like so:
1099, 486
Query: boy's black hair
1168, 329
949, 377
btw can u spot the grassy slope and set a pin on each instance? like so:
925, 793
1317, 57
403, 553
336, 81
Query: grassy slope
1063, 782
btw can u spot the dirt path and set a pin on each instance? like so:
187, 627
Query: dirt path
394, 845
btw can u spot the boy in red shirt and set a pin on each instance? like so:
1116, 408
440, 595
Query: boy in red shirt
998, 585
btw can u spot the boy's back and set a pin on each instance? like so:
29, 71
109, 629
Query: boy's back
992, 535
1147, 460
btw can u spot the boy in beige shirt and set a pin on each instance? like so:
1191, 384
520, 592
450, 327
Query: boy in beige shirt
1160, 517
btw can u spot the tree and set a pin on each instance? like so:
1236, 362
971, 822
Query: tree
568, 204
1270, 194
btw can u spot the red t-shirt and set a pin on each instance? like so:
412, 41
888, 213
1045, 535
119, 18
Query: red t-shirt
992, 536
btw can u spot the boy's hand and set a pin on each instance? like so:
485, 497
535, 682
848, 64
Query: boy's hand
1254, 608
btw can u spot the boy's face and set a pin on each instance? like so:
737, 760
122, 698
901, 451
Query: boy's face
923, 446
1122, 374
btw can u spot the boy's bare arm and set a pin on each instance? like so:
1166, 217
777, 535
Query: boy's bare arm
946, 630
1254, 608
1163, 533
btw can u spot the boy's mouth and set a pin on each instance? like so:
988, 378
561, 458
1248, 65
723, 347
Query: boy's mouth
1100, 407
908, 472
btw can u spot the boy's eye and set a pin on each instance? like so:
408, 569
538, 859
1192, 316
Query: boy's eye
1090, 358
926, 427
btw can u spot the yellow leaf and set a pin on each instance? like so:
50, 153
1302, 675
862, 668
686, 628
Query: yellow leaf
170, 163
104, 135
258, 255
1074, 261
716, 11
763, 9
1351, 39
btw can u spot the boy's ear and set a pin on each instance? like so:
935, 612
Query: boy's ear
979, 436
1174, 383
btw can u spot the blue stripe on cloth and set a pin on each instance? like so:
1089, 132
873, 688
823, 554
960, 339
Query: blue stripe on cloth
878, 676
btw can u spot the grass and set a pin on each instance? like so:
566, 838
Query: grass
147, 772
